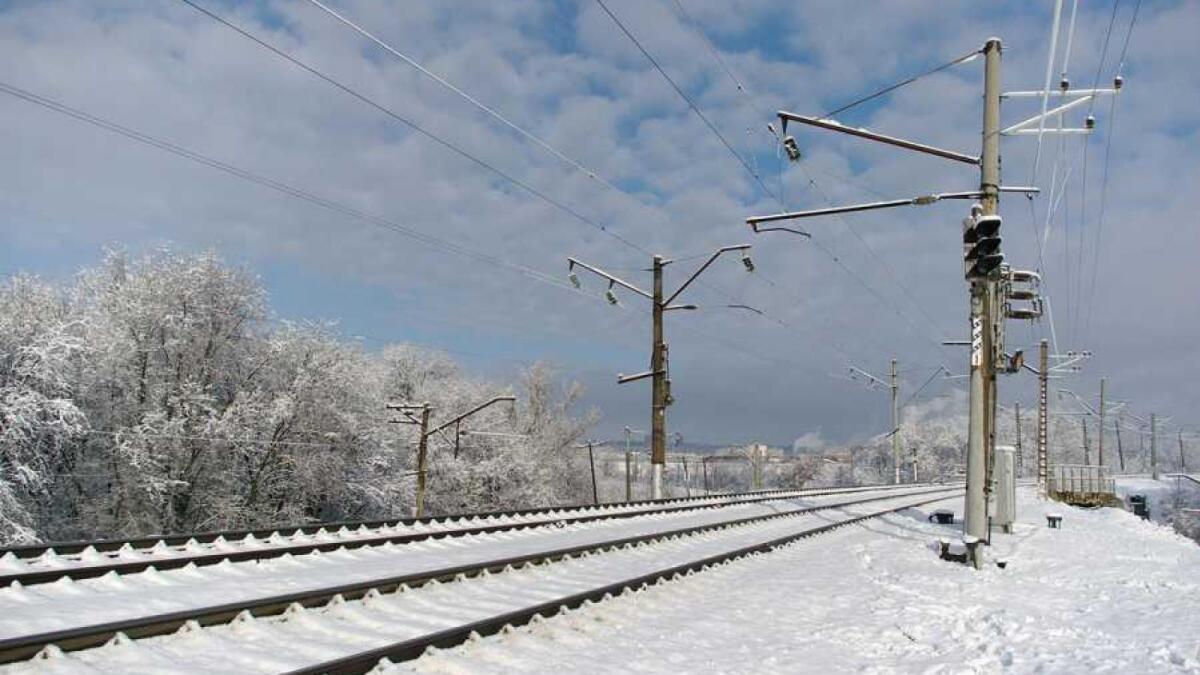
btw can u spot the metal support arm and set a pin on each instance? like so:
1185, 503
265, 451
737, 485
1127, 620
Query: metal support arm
881, 138
723, 249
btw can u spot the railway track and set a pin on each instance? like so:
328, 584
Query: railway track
33, 565
358, 621
180, 539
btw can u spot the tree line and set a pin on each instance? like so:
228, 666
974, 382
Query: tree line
156, 394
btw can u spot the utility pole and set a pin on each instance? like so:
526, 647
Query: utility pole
658, 387
628, 467
1120, 450
1043, 418
984, 269
422, 455
410, 411
1100, 430
979, 425
895, 422
1017, 417
1087, 451
660, 392
592, 462
1182, 461
1153, 446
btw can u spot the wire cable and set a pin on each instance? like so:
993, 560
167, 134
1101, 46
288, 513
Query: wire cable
378, 221
936, 372
779, 197
417, 127
362, 97
691, 104
1104, 180
893, 87
537, 140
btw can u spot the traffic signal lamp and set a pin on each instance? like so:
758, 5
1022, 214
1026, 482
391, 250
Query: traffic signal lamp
981, 246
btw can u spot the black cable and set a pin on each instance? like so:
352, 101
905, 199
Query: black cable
416, 127
893, 87
691, 104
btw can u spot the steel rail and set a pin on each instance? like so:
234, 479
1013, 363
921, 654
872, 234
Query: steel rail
84, 571
83, 637
407, 650
205, 537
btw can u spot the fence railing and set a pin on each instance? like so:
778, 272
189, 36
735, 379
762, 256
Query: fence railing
1080, 479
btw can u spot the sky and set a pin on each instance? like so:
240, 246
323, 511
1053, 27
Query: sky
620, 167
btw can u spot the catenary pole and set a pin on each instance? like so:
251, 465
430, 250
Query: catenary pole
1043, 417
1087, 451
982, 333
1120, 450
592, 462
422, 455
628, 467
1100, 429
658, 393
1153, 446
1017, 419
895, 422
1182, 461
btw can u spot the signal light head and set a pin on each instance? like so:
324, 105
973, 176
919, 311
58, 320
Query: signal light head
747, 262
793, 150
609, 295
987, 226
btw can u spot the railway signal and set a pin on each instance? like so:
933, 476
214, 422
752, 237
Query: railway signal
981, 245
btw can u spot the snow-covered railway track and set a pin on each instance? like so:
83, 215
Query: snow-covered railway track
21, 566
69, 610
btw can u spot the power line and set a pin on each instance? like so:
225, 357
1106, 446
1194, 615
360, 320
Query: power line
936, 372
134, 434
1112, 113
893, 87
416, 127
312, 70
887, 267
537, 140
378, 221
1083, 203
691, 104
812, 182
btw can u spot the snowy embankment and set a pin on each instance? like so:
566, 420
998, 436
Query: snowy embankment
1107, 592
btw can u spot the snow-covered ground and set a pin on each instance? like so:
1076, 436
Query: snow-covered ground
304, 637
1108, 592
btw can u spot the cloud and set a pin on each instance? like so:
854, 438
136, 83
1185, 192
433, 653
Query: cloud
869, 287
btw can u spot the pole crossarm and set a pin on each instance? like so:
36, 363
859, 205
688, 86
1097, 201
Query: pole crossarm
622, 379
834, 125
1037, 93
745, 307
698, 272
921, 200
1071, 131
573, 262
451, 422
1023, 124
871, 379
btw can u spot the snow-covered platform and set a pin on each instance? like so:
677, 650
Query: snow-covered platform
1107, 592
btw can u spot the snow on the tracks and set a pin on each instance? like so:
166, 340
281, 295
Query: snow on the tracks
90, 557
304, 637
1108, 593
64, 604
